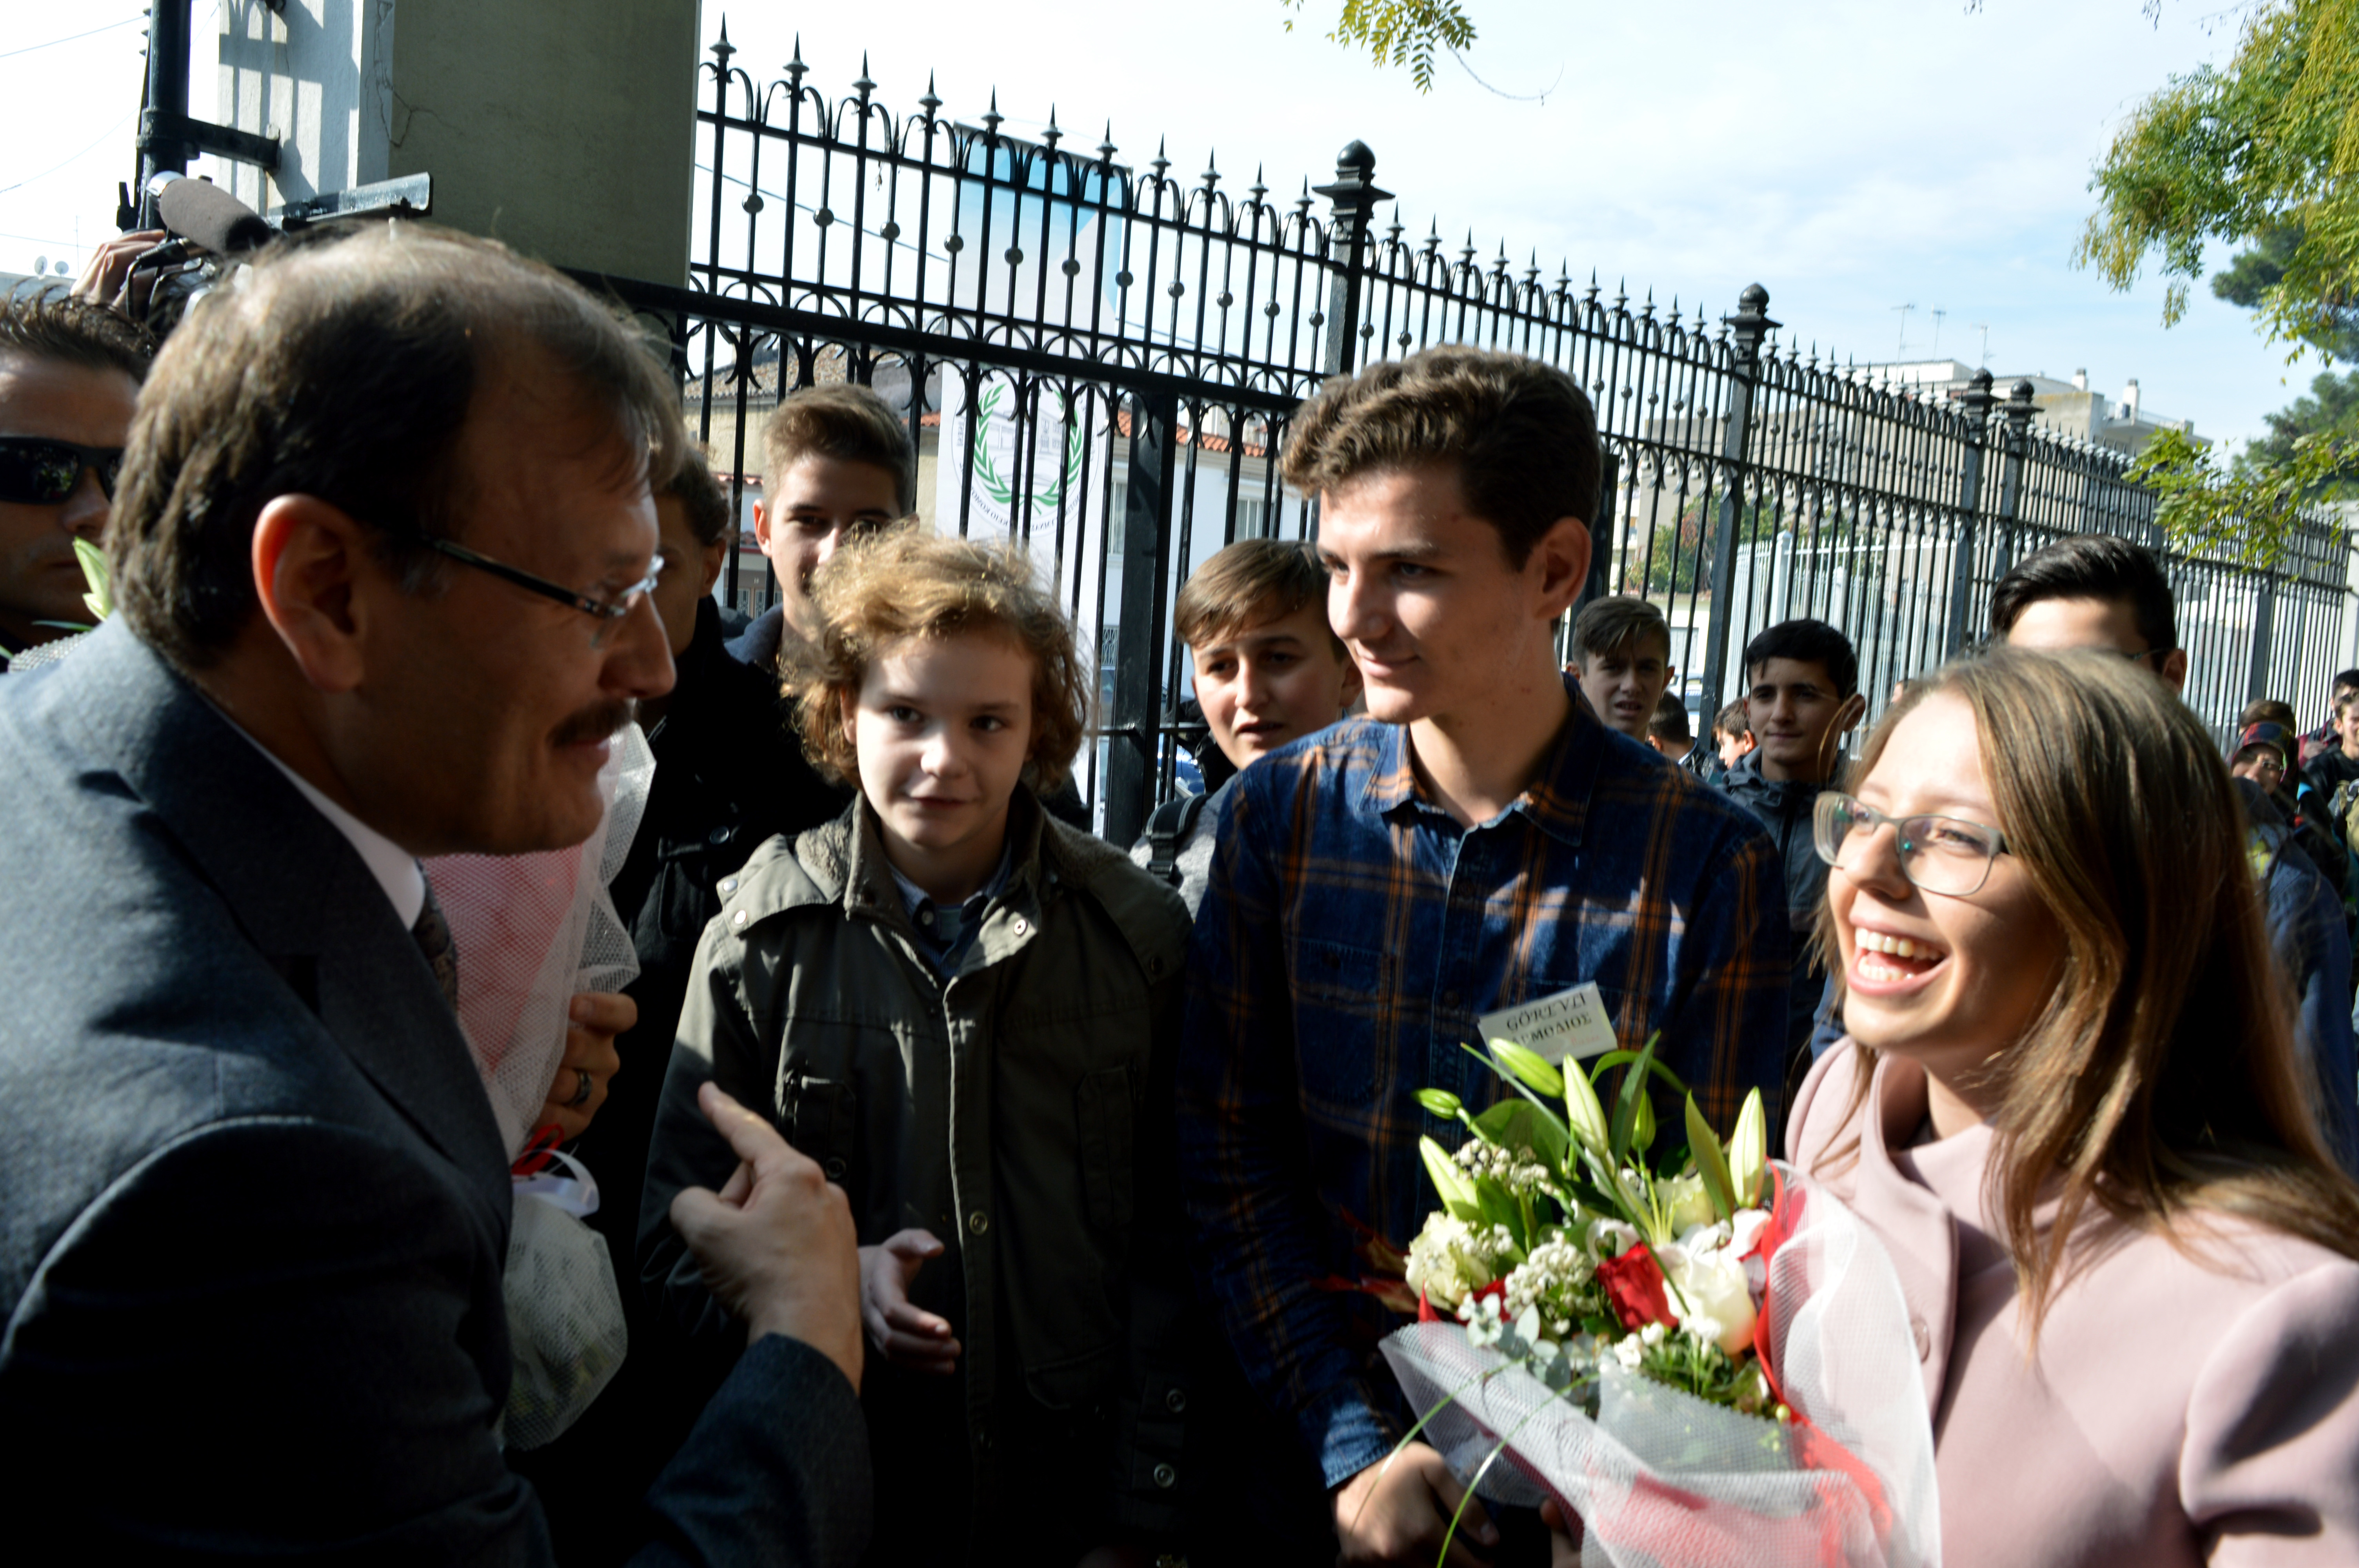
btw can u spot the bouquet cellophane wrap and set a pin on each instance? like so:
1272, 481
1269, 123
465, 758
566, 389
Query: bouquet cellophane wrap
532, 932
1662, 1479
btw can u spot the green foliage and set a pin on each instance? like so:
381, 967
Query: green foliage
2267, 146
2331, 410
2260, 267
2247, 514
1400, 32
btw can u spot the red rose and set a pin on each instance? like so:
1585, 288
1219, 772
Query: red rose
1634, 1283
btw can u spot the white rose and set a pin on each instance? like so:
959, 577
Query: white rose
1711, 1284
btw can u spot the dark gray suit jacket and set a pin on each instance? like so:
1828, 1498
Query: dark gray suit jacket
253, 1206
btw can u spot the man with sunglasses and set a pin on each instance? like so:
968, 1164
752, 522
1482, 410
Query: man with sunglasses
69, 374
382, 553
2095, 590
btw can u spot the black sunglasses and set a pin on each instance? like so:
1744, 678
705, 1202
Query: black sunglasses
37, 471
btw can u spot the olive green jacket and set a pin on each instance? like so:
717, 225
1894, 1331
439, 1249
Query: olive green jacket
1019, 1111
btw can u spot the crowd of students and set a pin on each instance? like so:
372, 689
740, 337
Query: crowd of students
979, 1191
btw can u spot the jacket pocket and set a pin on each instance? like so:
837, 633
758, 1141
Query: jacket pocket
1338, 991
821, 1116
1101, 1106
1076, 1385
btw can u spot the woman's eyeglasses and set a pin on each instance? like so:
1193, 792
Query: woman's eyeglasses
1940, 854
37, 471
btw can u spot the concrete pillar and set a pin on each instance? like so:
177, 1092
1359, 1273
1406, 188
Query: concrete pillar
565, 128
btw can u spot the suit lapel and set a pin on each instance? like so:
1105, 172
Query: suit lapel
297, 889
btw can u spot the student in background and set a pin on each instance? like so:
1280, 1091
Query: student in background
2328, 736
1801, 698
839, 465
1731, 737
1622, 658
2097, 591
1670, 733
1268, 671
964, 1010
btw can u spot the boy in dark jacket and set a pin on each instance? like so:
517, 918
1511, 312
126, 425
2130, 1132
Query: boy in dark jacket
1801, 698
964, 1010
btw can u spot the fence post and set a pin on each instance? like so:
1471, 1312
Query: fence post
1977, 399
2265, 615
1352, 203
2019, 410
1137, 728
1751, 327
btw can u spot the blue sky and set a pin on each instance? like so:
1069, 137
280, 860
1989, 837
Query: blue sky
1851, 157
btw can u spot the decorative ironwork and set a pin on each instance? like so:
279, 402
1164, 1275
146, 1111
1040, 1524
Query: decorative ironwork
1100, 361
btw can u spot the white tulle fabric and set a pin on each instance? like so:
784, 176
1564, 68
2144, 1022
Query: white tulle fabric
1661, 1479
532, 932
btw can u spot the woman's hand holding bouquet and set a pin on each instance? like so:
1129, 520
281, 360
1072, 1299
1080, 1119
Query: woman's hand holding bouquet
1619, 1333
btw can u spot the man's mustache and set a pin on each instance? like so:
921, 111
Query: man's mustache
595, 723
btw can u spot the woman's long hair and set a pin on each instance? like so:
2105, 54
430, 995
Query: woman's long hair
2161, 1076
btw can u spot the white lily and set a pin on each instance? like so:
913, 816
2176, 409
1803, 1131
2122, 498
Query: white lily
1749, 1152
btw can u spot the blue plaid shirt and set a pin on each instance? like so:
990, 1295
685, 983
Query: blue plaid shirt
1352, 932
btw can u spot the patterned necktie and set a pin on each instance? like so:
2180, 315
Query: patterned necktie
432, 934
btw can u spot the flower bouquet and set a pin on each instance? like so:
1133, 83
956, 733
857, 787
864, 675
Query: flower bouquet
1705, 1362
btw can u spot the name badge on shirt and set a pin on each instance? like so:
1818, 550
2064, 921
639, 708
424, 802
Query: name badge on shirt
1570, 1023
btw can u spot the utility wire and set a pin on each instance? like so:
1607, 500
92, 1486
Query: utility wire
77, 157
31, 48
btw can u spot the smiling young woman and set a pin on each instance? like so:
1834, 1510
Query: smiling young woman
2070, 1097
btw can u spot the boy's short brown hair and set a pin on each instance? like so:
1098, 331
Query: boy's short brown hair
845, 421
1611, 625
2267, 710
905, 582
1521, 435
1250, 583
1733, 721
1670, 721
701, 500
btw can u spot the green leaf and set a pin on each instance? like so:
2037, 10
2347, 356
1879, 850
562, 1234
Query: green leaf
100, 600
1710, 1164
1611, 1059
1514, 1124
1626, 1103
1533, 1068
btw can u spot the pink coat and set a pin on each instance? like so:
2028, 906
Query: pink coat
2174, 1413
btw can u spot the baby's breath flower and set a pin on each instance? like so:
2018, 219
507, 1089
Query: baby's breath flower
1555, 1278
1516, 1170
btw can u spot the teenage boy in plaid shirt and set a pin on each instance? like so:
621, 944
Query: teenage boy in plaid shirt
1479, 841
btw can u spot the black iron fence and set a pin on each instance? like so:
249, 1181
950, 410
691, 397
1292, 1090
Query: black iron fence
1098, 357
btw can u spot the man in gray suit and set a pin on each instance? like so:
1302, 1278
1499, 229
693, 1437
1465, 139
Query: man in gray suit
382, 548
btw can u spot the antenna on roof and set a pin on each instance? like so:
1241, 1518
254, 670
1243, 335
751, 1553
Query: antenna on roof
1903, 348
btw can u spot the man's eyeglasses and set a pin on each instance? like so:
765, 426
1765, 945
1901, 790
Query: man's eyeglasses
37, 471
2143, 654
609, 614
1940, 854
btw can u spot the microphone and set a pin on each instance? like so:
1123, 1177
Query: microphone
206, 215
